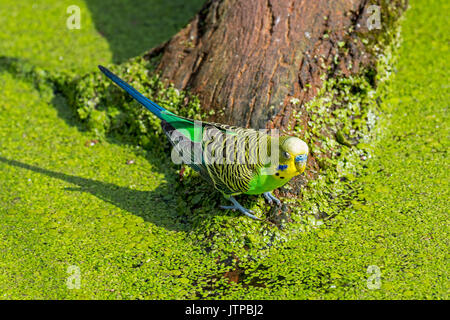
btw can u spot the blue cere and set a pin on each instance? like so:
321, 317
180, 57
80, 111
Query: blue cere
301, 158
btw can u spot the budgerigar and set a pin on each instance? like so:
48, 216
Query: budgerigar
234, 160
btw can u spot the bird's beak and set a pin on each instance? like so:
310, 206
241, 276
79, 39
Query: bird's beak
300, 163
300, 166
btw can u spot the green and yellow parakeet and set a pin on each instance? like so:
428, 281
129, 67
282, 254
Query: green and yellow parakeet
234, 160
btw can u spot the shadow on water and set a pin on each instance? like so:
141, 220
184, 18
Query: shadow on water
132, 27
157, 206
150, 205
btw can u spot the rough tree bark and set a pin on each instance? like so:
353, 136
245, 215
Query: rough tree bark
246, 59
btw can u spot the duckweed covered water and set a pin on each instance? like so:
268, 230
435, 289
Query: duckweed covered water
72, 198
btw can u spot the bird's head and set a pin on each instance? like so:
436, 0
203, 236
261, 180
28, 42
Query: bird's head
293, 152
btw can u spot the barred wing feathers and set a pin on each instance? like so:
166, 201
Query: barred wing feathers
226, 156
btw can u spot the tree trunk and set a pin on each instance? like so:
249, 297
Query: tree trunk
247, 59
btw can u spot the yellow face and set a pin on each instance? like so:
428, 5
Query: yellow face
293, 157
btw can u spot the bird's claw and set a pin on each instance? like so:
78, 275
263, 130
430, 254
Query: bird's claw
237, 206
271, 198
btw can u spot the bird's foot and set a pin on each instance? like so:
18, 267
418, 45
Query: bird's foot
237, 206
271, 198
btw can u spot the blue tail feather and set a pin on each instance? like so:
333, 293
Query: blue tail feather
150, 105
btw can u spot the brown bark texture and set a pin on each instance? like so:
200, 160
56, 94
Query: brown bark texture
247, 59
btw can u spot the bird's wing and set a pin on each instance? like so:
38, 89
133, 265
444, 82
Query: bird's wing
234, 157
227, 156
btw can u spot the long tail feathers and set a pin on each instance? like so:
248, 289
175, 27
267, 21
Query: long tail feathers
150, 105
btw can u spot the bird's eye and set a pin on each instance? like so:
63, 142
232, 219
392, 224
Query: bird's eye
286, 154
